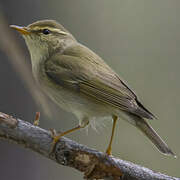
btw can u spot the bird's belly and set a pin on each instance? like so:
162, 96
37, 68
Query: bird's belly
78, 105
74, 102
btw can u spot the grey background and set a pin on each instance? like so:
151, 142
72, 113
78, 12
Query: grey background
140, 40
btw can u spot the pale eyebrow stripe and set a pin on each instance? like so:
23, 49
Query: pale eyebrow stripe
51, 29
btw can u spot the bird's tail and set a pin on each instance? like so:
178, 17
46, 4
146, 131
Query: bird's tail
153, 136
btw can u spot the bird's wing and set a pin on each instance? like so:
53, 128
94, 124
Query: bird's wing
92, 77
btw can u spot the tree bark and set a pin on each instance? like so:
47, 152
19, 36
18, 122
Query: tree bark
94, 164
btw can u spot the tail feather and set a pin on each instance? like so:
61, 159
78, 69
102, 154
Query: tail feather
153, 136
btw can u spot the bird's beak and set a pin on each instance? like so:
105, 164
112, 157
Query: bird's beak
22, 30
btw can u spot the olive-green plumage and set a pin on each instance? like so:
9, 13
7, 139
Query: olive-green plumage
79, 81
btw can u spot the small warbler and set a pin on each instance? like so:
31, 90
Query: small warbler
79, 81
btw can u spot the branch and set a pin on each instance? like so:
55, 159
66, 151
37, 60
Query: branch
94, 164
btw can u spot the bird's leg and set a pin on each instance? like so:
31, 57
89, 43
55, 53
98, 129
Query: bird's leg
37, 117
57, 137
109, 149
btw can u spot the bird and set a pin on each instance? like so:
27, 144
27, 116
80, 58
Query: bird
81, 82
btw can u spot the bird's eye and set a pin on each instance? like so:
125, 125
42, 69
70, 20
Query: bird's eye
46, 31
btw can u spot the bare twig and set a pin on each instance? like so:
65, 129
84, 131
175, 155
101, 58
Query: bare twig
94, 164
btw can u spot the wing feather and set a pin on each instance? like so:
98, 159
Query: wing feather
92, 77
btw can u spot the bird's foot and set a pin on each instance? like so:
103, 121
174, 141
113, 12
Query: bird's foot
56, 137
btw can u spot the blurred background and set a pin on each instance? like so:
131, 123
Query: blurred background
140, 40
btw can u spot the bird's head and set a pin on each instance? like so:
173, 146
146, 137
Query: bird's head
45, 37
